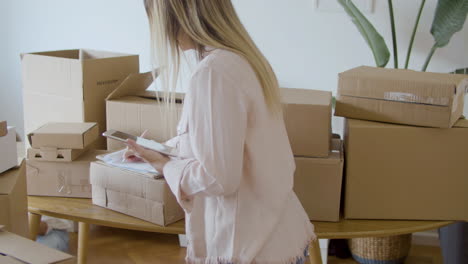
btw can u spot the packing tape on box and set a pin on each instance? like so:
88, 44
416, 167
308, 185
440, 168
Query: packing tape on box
65, 182
412, 98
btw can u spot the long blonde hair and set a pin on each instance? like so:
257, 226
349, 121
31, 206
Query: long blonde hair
208, 23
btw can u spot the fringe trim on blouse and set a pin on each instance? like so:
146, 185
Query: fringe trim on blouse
298, 257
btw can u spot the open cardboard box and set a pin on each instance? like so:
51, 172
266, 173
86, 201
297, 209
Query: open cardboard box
132, 109
71, 85
401, 96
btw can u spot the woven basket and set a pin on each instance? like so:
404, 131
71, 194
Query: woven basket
381, 250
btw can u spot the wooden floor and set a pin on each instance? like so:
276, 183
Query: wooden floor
117, 246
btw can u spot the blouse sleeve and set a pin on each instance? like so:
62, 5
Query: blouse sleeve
217, 121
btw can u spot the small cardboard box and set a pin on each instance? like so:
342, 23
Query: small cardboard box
13, 201
405, 172
401, 96
54, 154
71, 85
61, 179
317, 184
64, 135
307, 116
132, 109
8, 151
134, 194
20, 250
3, 128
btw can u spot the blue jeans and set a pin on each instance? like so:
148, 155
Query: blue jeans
56, 239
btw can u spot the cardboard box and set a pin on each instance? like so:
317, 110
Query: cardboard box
21, 250
3, 128
317, 184
13, 201
54, 154
8, 151
134, 194
405, 172
401, 96
307, 116
71, 85
64, 135
132, 109
61, 179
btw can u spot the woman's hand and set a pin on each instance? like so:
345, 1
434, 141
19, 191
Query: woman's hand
156, 159
129, 155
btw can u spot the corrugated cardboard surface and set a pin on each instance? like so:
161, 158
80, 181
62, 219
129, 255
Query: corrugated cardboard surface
54, 154
317, 183
3, 128
401, 96
29, 251
64, 135
134, 194
132, 110
404, 172
8, 151
61, 179
13, 201
307, 116
71, 85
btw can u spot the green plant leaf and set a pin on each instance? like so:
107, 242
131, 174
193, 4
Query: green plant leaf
449, 18
375, 41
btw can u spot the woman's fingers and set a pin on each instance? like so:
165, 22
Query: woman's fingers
143, 135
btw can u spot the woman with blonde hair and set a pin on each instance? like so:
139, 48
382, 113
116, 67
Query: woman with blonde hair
234, 173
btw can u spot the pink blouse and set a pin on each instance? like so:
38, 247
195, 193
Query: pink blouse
234, 176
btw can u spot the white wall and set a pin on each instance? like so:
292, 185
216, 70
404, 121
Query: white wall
306, 48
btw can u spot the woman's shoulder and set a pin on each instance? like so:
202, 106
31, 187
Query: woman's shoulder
225, 62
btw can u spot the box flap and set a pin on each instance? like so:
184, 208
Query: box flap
461, 123
132, 85
305, 96
8, 180
29, 251
401, 85
78, 54
3, 128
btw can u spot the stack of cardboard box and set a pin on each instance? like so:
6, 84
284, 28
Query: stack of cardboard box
59, 158
132, 109
319, 157
410, 161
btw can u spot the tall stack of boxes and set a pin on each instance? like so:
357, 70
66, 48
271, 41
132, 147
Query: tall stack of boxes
132, 109
59, 159
406, 146
318, 155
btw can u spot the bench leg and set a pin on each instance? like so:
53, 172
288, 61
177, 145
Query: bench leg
83, 235
34, 223
314, 252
